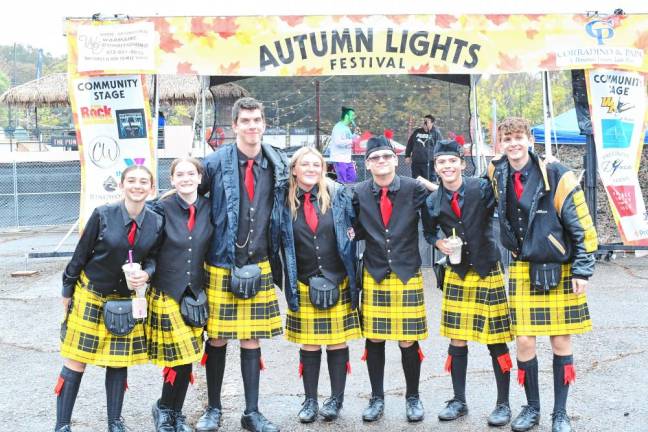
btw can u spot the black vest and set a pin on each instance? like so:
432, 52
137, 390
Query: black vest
517, 212
475, 228
394, 248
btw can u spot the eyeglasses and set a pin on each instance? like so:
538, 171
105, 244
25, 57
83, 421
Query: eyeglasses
378, 157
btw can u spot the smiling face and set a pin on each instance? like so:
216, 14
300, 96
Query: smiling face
136, 185
185, 178
308, 170
449, 168
515, 146
382, 163
249, 127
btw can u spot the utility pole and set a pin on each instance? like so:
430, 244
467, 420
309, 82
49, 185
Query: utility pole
317, 116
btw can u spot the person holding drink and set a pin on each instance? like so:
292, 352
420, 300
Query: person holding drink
474, 306
99, 327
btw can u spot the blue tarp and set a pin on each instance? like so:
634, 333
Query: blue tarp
565, 129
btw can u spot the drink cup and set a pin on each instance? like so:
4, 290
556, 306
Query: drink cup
455, 243
129, 268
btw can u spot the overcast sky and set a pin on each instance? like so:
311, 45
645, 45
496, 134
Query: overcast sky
40, 22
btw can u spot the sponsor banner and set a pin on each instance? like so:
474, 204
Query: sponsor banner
113, 126
618, 109
360, 45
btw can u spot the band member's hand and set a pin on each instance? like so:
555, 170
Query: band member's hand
427, 183
579, 285
137, 279
408, 160
442, 245
66, 301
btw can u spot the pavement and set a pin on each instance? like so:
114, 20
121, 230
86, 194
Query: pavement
609, 394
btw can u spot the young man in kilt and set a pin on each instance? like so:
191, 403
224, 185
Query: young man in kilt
247, 183
545, 223
387, 209
474, 304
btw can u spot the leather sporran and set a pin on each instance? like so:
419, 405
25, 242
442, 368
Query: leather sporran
118, 317
323, 293
194, 310
439, 269
545, 276
246, 281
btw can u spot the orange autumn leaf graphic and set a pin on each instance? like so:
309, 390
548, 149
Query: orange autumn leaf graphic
230, 69
304, 71
424, 68
497, 19
509, 63
531, 33
444, 21
167, 42
199, 27
292, 21
357, 18
549, 62
443, 68
397, 19
642, 41
533, 17
185, 68
225, 27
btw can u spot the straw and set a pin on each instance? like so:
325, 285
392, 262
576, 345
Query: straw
130, 256
454, 234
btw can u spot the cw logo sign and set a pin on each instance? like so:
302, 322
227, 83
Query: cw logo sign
600, 29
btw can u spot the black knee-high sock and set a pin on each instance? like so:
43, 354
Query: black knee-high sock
115, 388
337, 366
564, 375
502, 364
411, 368
174, 388
250, 370
310, 366
67, 389
458, 367
528, 371
376, 366
214, 370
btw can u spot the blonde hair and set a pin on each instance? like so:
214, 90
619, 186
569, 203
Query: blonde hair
323, 196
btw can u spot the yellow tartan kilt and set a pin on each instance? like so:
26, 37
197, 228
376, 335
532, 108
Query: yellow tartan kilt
312, 326
84, 336
233, 318
545, 313
391, 310
475, 308
171, 342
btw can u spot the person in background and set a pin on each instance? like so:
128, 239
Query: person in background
341, 147
420, 146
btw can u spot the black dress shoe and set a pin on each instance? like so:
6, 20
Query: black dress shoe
453, 410
308, 412
528, 418
210, 420
256, 422
501, 415
560, 422
375, 409
116, 426
65, 428
162, 418
331, 408
414, 409
181, 422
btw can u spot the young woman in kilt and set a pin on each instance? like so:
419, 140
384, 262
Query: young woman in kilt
93, 277
317, 245
474, 306
174, 336
387, 208
545, 223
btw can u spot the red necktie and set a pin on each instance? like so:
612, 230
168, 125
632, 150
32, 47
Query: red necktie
517, 184
192, 217
454, 203
309, 212
249, 179
385, 206
131, 233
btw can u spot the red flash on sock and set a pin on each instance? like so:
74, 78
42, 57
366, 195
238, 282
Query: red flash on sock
570, 374
364, 355
448, 364
348, 367
300, 370
421, 355
191, 378
262, 365
505, 362
521, 376
169, 374
125, 385
59, 385
203, 360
